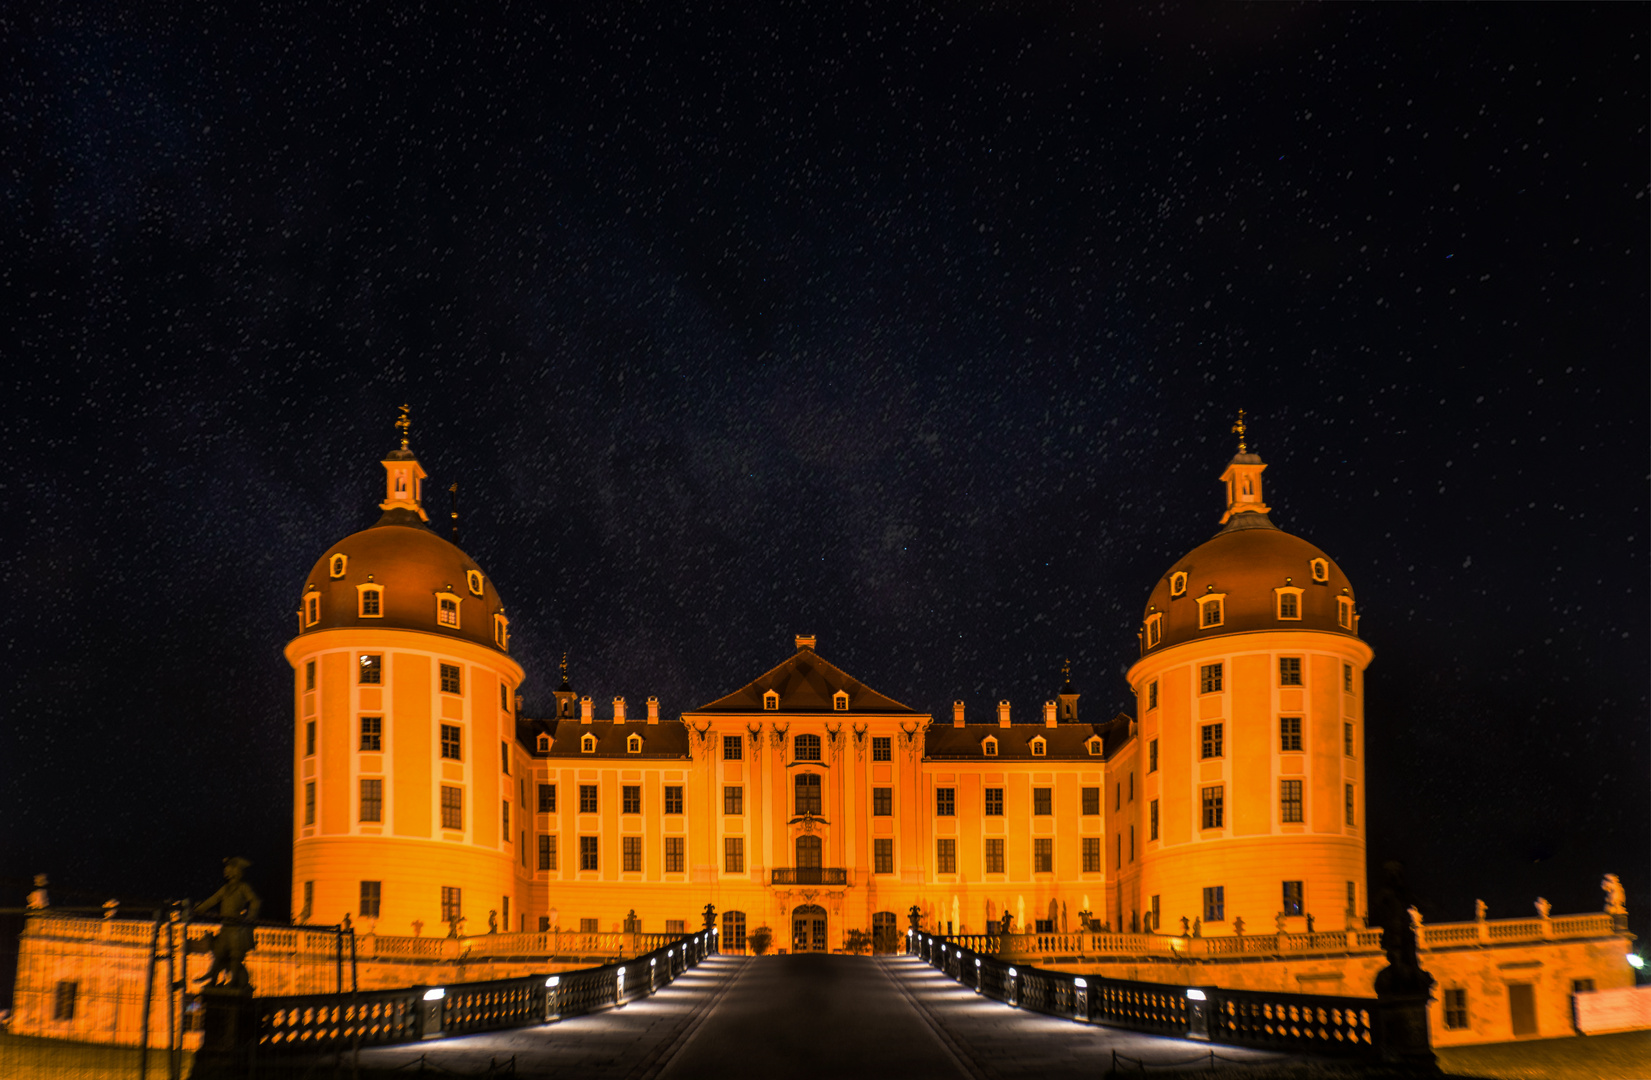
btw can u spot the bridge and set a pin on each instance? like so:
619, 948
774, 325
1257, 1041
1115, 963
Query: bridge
939, 1009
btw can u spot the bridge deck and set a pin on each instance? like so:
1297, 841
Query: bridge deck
805, 1016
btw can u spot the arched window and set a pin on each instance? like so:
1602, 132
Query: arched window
447, 610
771, 700
633, 743
808, 748
808, 794
312, 609
885, 932
733, 932
809, 851
587, 743
544, 743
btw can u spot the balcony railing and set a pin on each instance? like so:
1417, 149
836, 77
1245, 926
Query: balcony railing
810, 875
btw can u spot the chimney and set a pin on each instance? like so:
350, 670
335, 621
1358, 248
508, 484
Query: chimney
957, 714
619, 710
1049, 714
1003, 713
653, 709
805, 641
587, 709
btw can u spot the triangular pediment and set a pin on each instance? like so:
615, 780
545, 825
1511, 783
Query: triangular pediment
806, 683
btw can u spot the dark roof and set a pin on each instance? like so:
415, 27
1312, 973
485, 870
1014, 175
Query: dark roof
806, 683
666, 740
1065, 742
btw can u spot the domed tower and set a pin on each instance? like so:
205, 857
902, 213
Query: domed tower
404, 730
1250, 699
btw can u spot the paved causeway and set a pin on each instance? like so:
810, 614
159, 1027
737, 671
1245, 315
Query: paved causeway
801, 1017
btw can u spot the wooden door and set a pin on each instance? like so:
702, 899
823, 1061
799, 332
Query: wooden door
1522, 1008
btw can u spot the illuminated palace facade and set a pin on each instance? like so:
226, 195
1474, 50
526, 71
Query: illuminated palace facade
426, 802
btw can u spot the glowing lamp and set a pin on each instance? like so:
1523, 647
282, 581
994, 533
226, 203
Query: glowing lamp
1636, 961
1194, 995
1080, 984
435, 995
554, 980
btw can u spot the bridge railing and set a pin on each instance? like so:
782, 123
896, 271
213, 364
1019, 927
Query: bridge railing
382, 1017
1303, 1022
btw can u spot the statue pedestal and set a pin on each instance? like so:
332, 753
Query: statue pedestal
1401, 1028
229, 1030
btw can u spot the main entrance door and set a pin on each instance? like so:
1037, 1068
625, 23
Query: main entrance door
808, 929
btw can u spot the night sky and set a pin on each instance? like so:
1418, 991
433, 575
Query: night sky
921, 329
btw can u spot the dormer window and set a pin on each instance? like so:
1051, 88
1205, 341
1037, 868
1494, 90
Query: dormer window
501, 631
1321, 570
988, 746
633, 743
839, 701
1093, 743
1178, 584
1288, 600
587, 743
1344, 612
1039, 746
473, 578
1209, 610
1155, 629
312, 609
543, 743
447, 610
370, 601
771, 700
337, 564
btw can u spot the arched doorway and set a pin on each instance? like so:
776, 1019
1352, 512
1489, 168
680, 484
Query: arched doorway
808, 929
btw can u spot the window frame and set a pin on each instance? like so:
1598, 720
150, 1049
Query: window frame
590, 799
587, 743
589, 854
1291, 595
945, 802
771, 701
673, 799
945, 855
812, 806
1290, 735
733, 854
1155, 630
988, 746
630, 798
1293, 900
1043, 802
1039, 746
676, 855
1211, 741
452, 807
1292, 668
1152, 756
1043, 855
1152, 695
457, 608
450, 678
991, 802
547, 852
733, 800
733, 748
338, 565
1091, 852
1215, 904
361, 594
547, 798
633, 743
473, 582
882, 855
452, 737
630, 854
1212, 807
370, 798
371, 732
1090, 798
312, 609
882, 802
1152, 820
1212, 678
806, 747
1178, 584
1212, 601
882, 748
994, 857
839, 701
371, 899
1292, 809
1344, 613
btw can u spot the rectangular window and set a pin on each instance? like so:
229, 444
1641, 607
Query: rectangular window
1132, 843
1347, 738
676, 926
1043, 855
733, 748
1209, 745
587, 853
676, 856
590, 926
733, 931
733, 799
1288, 606
630, 799
1456, 1009
547, 798
1209, 679
309, 802
945, 802
309, 738
882, 801
673, 799
372, 799
945, 855
1042, 802
1215, 903
1347, 806
733, 854
372, 733
547, 852
504, 758
451, 906
309, 675
370, 603
372, 670
371, 893
1091, 854
587, 798
1152, 820
1289, 801
882, 855
994, 855
1352, 900
450, 742
452, 807
630, 850
882, 748
1091, 801
504, 697
806, 748
1289, 671
505, 818
1118, 796
807, 789
1118, 850
1152, 756
63, 1001
450, 679
994, 802
1153, 912
1210, 610
1215, 813
1289, 734
1132, 785
309, 900
1347, 678
1152, 695
1293, 903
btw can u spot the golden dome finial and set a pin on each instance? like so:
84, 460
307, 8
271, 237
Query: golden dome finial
1238, 429
404, 425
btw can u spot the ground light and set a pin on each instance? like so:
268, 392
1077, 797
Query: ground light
1636, 961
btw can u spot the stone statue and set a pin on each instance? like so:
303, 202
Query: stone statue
1479, 909
1278, 923
1309, 924
492, 922
453, 925
418, 927
1543, 907
710, 916
346, 925
1616, 899
915, 915
1401, 924
1186, 926
1084, 919
1238, 926
38, 900
1004, 923
1415, 914
237, 908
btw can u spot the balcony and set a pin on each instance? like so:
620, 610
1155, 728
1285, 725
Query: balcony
810, 875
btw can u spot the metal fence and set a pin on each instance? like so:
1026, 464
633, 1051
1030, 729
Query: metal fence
1309, 1023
